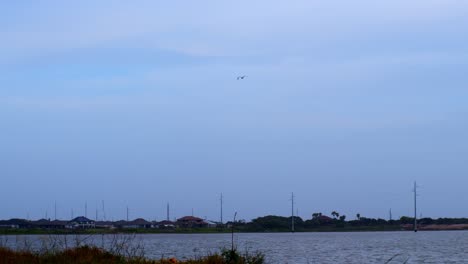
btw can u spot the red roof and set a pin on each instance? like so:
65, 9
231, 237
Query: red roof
190, 218
325, 218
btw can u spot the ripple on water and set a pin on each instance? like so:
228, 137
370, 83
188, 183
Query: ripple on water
358, 247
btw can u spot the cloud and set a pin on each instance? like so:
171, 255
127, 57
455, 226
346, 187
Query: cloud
210, 27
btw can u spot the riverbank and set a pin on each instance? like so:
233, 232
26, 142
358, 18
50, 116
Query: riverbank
190, 224
437, 227
190, 231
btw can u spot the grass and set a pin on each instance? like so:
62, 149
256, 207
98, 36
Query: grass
94, 255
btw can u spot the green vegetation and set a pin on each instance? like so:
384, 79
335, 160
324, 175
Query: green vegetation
318, 223
322, 223
271, 223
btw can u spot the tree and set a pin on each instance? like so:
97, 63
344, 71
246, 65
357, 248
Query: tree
335, 214
406, 220
316, 215
342, 218
358, 216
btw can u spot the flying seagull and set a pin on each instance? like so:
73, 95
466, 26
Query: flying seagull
241, 77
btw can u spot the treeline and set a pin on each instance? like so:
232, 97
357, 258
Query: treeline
438, 221
320, 222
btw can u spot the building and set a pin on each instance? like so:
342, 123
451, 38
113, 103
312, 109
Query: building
47, 224
137, 223
324, 220
191, 221
166, 224
81, 222
212, 224
105, 224
15, 223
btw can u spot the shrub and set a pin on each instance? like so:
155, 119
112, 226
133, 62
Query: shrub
94, 255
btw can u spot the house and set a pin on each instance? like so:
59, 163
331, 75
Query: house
105, 224
57, 224
15, 223
48, 224
165, 224
212, 224
191, 221
81, 222
120, 223
323, 219
5, 224
137, 223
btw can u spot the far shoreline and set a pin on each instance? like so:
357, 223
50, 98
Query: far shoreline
456, 227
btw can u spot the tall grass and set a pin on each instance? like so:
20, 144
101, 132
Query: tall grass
86, 255
54, 249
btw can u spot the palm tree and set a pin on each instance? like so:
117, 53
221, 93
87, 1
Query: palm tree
335, 214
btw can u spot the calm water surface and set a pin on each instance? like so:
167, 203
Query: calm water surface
359, 247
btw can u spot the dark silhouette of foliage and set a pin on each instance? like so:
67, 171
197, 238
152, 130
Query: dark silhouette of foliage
85, 255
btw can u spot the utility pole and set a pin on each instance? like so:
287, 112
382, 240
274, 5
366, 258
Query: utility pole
55, 210
167, 211
221, 201
232, 232
292, 212
127, 213
390, 214
103, 211
415, 209
86, 209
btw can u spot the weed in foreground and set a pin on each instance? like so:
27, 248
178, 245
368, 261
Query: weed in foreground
94, 255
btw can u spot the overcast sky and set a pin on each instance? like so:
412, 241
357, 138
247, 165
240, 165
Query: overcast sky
136, 103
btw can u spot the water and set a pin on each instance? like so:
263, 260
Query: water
352, 247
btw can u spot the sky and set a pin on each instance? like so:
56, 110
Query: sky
136, 103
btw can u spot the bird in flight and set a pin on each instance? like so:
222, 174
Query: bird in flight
241, 77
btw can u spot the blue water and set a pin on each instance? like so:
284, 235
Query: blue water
352, 247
